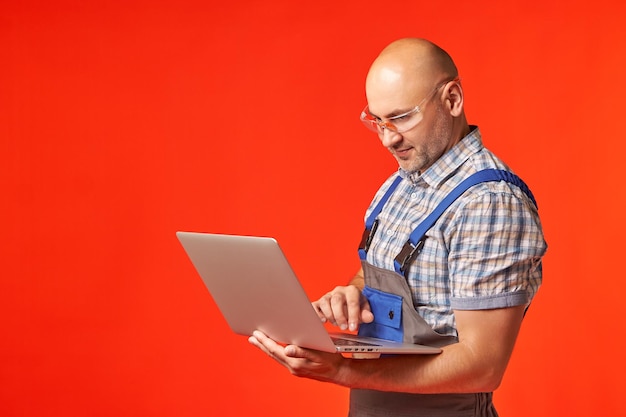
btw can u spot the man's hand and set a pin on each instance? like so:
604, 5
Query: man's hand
345, 307
302, 362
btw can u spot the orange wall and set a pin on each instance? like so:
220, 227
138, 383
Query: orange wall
124, 121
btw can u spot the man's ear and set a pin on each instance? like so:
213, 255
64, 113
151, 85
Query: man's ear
453, 97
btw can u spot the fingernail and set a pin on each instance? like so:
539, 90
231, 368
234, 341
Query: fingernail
343, 326
352, 327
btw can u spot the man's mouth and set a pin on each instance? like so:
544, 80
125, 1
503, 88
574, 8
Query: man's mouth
402, 153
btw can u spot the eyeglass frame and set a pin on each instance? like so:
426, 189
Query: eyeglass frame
378, 125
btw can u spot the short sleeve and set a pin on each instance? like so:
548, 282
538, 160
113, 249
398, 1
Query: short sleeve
496, 245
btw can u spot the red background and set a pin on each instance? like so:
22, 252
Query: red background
122, 122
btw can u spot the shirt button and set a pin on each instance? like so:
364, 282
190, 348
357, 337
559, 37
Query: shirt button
389, 232
413, 196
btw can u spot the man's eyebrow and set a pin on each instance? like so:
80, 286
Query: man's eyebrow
394, 113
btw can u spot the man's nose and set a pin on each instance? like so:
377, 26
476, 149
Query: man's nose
389, 137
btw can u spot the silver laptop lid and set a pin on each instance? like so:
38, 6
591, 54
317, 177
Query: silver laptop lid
254, 287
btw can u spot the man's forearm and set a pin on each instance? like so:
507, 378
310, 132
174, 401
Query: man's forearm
450, 372
475, 364
358, 280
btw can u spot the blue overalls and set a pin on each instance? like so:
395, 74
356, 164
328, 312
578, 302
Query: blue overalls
395, 317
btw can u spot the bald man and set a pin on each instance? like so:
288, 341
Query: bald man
471, 272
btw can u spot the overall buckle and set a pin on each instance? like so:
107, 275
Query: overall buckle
408, 254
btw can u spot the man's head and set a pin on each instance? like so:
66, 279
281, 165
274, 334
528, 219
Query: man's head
417, 80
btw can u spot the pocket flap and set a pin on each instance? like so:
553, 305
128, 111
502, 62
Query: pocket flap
386, 307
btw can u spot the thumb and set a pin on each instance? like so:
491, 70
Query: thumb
366, 313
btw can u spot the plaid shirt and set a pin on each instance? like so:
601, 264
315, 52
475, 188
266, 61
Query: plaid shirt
484, 252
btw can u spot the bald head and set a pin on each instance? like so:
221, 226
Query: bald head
418, 54
409, 76
409, 66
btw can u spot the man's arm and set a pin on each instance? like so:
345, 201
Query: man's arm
358, 280
475, 364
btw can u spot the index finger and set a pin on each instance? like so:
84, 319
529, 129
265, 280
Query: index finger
348, 308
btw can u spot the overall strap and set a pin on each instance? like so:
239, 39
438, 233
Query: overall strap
416, 240
372, 221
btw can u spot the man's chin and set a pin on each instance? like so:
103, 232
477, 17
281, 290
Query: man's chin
407, 166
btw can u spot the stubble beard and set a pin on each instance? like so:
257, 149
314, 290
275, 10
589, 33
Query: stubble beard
438, 139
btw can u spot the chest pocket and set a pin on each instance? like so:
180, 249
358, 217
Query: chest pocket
387, 310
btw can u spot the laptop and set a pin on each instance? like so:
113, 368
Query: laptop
255, 288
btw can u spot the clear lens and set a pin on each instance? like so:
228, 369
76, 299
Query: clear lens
408, 121
403, 122
373, 124
399, 124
